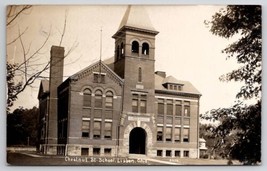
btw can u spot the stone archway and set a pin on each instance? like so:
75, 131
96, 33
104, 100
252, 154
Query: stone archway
126, 137
137, 141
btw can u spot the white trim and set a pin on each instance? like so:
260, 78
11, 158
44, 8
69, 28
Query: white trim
108, 120
97, 119
173, 98
86, 119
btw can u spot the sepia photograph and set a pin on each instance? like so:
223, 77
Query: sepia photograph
133, 85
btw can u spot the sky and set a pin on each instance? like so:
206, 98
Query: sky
185, 48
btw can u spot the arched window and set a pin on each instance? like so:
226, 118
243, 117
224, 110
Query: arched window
139, 74
145, 49
98, 99
109, 100
118, 53
87, 97
122, 49
135, 47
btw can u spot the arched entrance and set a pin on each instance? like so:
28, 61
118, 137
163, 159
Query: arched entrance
137, 141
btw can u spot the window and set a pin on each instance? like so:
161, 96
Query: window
169, 120
109, 100
186, 121
102, 78
135, 47
108, 114
99, 78
85, 128
96, 151
85, 151
171, 87
160, 106
139, 74
139, 103
168, 153
177, 134
177, 121
168, 134
159, 133
145, 49
159, 152
186, 153
186, 135
187, 109
122, 49
98, 113
118, 53
143, 106
98, 99
178, 110
177, 153
95, 77
97, 129
135, 105
108, 130
87, 97
107, 151
169, 109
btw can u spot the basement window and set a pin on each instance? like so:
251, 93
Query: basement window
96, 151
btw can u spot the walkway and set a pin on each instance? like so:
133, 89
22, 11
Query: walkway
138, 156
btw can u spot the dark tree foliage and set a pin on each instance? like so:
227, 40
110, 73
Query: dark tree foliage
245, 21
239, 126
22, 127
13, 87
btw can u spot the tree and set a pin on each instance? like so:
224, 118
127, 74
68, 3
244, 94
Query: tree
23, 72
22, 127
241, 121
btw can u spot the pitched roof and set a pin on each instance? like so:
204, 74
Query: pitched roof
188, 88
202, 140
171, 79
83, 72
136, 16
45, 84
44, 88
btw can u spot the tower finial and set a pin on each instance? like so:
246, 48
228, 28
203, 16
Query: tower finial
100, 43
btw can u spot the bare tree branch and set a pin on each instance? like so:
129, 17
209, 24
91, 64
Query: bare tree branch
22, 75
18, 36
35, 52
64, 28
26, 7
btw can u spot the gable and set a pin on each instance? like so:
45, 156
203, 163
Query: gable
43, 89
97, 68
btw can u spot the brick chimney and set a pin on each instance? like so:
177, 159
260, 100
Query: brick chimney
55, 79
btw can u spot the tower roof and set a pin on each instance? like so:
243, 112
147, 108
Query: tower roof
136, 16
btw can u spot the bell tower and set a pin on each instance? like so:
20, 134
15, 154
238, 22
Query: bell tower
134, 62
135, 57
135, 39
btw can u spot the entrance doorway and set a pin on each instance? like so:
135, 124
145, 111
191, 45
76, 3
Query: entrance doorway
137, 141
